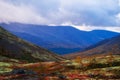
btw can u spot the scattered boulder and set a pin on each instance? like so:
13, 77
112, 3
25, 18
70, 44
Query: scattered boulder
18, 71
44, 75
62, 77
23, 71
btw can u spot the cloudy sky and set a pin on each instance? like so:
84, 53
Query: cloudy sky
82, 14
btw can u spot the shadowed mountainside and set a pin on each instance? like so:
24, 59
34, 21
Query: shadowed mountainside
13, 47
108, 46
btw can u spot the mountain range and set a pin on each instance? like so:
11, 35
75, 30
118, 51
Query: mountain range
58, 39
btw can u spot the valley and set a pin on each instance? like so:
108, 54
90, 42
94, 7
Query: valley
58, 39
22, 60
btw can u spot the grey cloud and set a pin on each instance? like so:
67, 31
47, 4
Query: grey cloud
76, 12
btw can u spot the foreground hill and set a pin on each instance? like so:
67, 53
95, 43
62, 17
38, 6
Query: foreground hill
109, 46
14, 47
59, 39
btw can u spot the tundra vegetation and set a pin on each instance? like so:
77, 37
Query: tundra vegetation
88, 68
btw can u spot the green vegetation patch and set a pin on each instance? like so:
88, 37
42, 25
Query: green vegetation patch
4, 70
3, 64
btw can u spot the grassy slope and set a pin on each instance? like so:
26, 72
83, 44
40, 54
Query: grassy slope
14, 47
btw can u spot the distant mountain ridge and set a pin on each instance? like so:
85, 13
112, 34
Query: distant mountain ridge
108, 46
16, 48
59, 39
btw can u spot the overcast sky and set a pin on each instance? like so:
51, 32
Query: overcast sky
82, 14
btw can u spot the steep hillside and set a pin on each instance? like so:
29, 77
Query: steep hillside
109, 46
14, 47
59, 39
